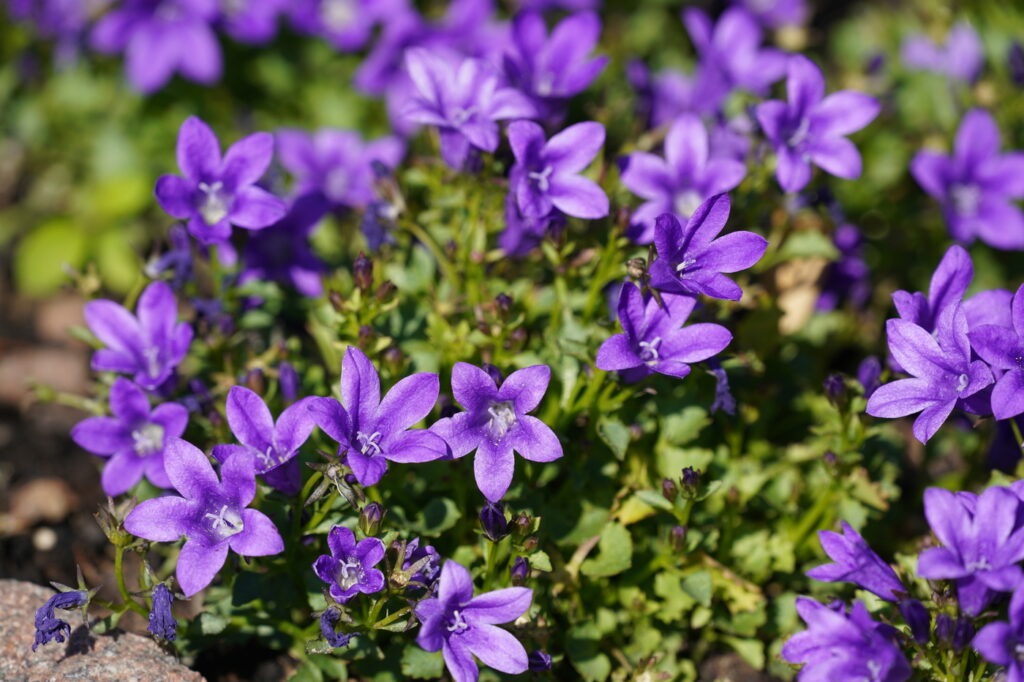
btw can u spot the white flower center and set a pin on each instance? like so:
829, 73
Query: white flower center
1018, 651
336, 183
541, 178
961, 382
336, 15
683, 265
800, 134
224, 523
369, 443
503, 418
266, 458
981, 564
457, 623
545, 84
148, 439
152, 356
649, 351
214, 206
686, 202
350, 572
965, 199
461, 115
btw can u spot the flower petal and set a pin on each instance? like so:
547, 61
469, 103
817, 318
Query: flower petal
121, 472
461, 432
497, 648
198, 565
246, 161
189, 469
175, 196
577, 196
534, 440
844, 112
525, 387
360, 388
161, 519
455, 584
101, 435
686, 146
415, 446
617, 353
249, 418
259, 536
493, 465
838, 156
238, 476
255, 208
500, 606
472, 387
198, 150
332, 419
408, 402
575, 147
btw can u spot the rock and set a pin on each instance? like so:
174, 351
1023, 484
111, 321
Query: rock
85, 656
56, 315
62, 369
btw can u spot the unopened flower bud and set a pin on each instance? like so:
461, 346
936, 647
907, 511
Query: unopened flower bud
677, 537
503, 302
520, 571
522, 526
493, 372
538, 661
830, 458
1016, 59
690, 482
963, 633
530, 544
288, 381
336, 300
370, 519
362, 272
944, 629
918, 618
365, 334
669, 489
493, 521
835, 389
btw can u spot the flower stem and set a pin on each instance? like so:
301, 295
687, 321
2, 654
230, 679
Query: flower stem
122, 587
1016, 434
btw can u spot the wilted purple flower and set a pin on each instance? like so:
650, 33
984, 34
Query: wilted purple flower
48, 626
942, 372
463, 626
546, 174
1002, 642
371, 431
161, 621
218, 192
1003, 350
282, 253
428, 574
552, 68
846, 278
160, 37
251, 21
811, 128
976, 185
328, 618
654, 339
981, 546
496, 423
960, 58
349, 569
345, 24
679, 183
841, 646
148, 345
464, 98
776, 13
135, 438
273, 446
857, 563
211, 514
691, 260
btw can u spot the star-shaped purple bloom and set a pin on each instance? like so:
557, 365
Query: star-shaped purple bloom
546, 174
981, 547
679, 183
948, 284
1002, 642
464, 98
149, 344
345, 24
218, 192
691, 260
1003, 349
211, 514
857, 563
273, 445
159, 37
976, 185
349, 568
282, 253
941, 369
960, 58
371, 431
811, 128
654, 339
661, 96
496, 423
135, 438
463, 626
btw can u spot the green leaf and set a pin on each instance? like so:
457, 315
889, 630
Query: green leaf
615, 435
807, 244
333, 667
682, 427
439, 515
420, 664
698, 586
210, 623
540, 561
654, 499
615, 553
40, 258
307, 672
583, 649
751, 650
118, 264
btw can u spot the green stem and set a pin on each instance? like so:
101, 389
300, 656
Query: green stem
1016, 433
122, 587
428, 241
323, 510
391, 618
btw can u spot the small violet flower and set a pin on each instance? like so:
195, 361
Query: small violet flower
161, 621
349, 569
1003, 349
135, 438
371, 431
857, 563
217, 192
211, 514
429, 571
948, 284
148, 345
546, 174
811, 128
654, 339
346, 24
1002, 642
282, 252
496, 423
463, 626
961, 58
48, 626
691, 260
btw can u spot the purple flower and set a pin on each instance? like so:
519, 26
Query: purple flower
160, 37
148, 345
211, 514
551, 69
464, 98
428, 574
178, 259
846, 278
776, 13
691, 260
161, 621
1003, 349
961, 58
282, 253
857, 563
941, 369
371, 431
662, 96
981, 546
463, 626
546, 174
251, 21
48, 626
345, 24
976, 185
273, 446
811, 128
328, 618
522, 234
841, 646
724, 399
679, 183
135, 438
217, 192
868, 373
567, 5
990, 307
349, 569
654, 339
948, 284
1002, 642
496, 423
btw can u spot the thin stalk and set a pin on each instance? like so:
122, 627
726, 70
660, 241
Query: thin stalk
122, 586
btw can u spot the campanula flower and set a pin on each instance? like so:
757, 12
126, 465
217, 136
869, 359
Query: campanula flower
346, 24
251, 21
539, 661
161, 621
161, 37
371, 431
148, 345
679, 183
941, 369
212, 514
981, 546
217, 192
426, 577
776, 13
1003, 349
135, 438
349, 569
948, 284
282, 252
857, 563
811, 128
546, 173
976, 185
463, 626
961, 58
662, 96
1002, 642
496, 422
273, 445
48, 626
654, 339
691, 260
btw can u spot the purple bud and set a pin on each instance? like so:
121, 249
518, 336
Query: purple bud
830, 458
944, 628
493, 521
677, 537
876, 63
161, 621
520, 571
1016, 59
835, 388
690, 481
492, 372
918, 618
522, 525
963, 633
370, 518
288, 380
362, 272
538, 661
504, 303
669, 489
868, 374
385, 291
